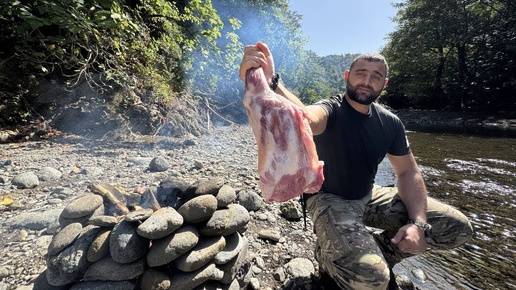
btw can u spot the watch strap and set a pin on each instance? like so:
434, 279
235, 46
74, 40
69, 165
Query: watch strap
274, 82
427, 227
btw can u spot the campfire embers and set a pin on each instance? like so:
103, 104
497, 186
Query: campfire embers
177, 236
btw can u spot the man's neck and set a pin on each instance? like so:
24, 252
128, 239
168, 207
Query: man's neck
364, 109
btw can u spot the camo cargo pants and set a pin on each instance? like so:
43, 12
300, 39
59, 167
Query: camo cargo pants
358, 258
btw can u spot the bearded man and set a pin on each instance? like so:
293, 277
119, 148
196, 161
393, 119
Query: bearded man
352, 135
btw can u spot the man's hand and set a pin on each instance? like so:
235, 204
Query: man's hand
257, 55
410, 239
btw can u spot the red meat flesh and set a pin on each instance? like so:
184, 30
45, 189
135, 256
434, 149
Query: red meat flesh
287, 160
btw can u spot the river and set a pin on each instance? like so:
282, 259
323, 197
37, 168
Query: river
477, 175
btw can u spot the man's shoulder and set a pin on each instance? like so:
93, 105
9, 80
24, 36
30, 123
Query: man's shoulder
333, 100
331, 104
385, 112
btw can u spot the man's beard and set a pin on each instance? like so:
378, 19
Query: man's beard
362, 98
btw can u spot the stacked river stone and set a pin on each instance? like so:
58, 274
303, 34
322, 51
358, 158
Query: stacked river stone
175, 236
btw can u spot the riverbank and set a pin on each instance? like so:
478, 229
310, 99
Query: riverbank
228, 152
29, 214
502, 124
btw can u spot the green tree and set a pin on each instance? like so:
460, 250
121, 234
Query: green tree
453, 54
137, 44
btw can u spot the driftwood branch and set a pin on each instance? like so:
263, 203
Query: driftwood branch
106, 191
216, 113
149, 200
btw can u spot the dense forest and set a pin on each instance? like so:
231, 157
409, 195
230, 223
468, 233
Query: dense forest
456, 55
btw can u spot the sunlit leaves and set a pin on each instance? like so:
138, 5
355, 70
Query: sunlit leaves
453, 54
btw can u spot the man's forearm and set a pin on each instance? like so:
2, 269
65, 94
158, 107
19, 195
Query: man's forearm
281, 90
317, 116
413, 193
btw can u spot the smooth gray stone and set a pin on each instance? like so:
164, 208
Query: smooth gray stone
82, 206
187, 281
84, 220
169, 248
48, 174
99, 248
210, 186
125, 245
226, 221
199, 208
153, 279
64, 238
103, 221
234, 244
109, 270
231, 268
251, 200
225, 196
93, 171
139, 215
25, 180
159, 164
201, 254
161, 223
300, 268
103, 285
41, 283
70, 264
268, 234
34, 220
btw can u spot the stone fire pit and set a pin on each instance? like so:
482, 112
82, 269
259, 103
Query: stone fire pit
175, 236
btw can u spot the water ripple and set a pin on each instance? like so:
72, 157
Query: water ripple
475, 167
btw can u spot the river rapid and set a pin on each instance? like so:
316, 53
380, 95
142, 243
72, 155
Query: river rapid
477, 175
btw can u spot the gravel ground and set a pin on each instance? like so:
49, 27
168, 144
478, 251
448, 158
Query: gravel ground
228, 152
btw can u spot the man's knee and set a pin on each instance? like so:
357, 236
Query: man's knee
369, 272
465, 234
453, 231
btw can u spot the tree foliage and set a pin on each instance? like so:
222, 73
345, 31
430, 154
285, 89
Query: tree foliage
126, 43
453, 54
320, 77
166, 47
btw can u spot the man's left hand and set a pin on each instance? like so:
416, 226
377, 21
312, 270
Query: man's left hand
410, 239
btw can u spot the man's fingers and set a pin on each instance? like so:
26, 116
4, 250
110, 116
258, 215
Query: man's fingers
255, 52
252, 59
255, 56
264, 48
250, 62
412, 248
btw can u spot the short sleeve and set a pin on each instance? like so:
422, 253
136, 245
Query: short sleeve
330, 105
400, 145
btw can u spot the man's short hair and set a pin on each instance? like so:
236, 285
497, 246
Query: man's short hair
371, 56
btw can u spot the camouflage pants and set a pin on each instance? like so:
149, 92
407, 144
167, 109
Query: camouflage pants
358, 258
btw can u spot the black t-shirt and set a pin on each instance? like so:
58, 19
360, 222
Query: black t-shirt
353, 144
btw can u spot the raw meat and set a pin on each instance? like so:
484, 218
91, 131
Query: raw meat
287, 160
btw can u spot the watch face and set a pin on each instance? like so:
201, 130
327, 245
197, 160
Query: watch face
428, 231
425, 226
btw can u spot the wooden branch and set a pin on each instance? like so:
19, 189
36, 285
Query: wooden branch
215, 112
108, 196
148, 199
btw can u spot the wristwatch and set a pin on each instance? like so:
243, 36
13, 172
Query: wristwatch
425, 226
274, 82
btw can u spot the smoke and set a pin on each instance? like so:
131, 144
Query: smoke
215, 70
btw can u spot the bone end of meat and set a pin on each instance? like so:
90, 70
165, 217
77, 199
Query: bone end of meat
293, 185
288, 164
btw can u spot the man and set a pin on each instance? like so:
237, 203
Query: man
352, 135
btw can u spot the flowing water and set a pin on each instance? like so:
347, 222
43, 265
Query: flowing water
477, 175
